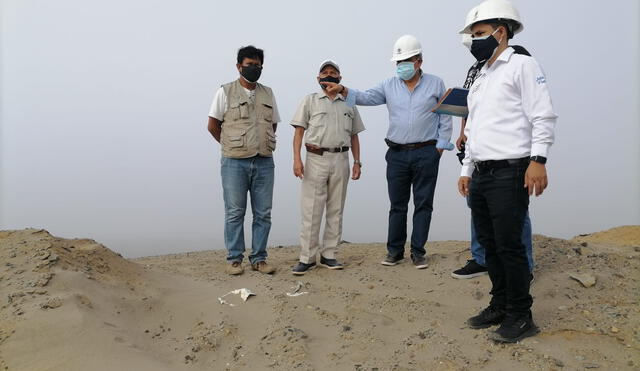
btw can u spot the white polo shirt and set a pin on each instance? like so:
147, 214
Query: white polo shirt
510, 112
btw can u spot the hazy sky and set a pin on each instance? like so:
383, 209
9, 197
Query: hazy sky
104, 107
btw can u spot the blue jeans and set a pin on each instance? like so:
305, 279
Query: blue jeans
477, 251
239, 176
407, 169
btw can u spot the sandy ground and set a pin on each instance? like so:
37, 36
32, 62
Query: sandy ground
76, 305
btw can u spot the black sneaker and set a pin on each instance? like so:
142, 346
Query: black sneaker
419, 262
330, 263
486, 318
472, 269
391, 261
302, 268
515, 328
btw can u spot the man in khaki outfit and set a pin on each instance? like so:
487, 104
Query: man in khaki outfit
329, 129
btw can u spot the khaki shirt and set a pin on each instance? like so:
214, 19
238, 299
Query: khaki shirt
327, 123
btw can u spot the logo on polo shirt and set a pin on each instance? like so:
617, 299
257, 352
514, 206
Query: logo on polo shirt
541, 80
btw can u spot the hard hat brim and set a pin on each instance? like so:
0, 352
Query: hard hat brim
467, 30
403, 56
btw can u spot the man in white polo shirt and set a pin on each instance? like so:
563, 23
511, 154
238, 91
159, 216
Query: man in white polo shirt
509, 130
330, 128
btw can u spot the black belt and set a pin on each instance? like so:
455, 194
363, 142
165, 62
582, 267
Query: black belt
394, 145
320, 151
482, 166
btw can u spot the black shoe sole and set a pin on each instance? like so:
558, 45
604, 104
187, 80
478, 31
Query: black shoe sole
484, 325
302, 273
391, 264
467, 276
530, 332
332, 267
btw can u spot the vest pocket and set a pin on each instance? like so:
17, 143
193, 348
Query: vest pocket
235, 138
271, 141
239, 110
266, 112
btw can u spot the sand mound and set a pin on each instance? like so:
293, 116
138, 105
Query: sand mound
628, 235
75, 305
37, 251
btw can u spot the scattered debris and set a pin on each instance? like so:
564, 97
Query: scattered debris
585, 279
244, 294
296, 290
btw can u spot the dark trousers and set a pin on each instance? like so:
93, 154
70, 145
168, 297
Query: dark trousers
499, 203
415, 169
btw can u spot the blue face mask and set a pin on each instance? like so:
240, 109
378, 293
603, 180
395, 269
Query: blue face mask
405, 70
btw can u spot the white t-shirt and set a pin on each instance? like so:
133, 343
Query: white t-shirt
219, 104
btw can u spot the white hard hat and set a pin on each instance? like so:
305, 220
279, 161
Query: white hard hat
329, 62
467, 40
406, 47
494, 9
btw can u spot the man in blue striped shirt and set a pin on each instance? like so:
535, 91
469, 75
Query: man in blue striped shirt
416, 138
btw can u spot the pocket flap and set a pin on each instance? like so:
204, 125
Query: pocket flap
235, 133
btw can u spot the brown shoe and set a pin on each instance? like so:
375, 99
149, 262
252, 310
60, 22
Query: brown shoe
235, 268
263, 267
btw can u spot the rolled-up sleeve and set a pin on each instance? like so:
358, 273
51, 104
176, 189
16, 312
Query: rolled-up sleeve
445, 125
537, 106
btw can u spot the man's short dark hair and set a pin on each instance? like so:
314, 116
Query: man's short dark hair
509, 25
250, 52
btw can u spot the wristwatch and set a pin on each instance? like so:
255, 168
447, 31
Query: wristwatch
539, 159
357, 162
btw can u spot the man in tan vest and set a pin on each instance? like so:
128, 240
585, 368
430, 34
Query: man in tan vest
243, 119
329, 129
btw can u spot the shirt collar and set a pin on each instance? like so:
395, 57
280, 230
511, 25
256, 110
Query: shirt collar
323, 94
506, 55
503, 57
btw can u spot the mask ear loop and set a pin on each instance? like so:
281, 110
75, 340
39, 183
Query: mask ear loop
500, 41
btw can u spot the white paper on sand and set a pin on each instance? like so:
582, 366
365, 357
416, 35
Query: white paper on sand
244, 294
296, 290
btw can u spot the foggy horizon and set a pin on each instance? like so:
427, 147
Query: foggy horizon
103, 113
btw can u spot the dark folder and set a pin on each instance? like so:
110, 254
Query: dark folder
453, 102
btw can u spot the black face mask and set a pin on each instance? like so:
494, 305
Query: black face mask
329, 79
483, 49
251, 73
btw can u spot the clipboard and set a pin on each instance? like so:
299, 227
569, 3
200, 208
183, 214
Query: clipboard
453, 102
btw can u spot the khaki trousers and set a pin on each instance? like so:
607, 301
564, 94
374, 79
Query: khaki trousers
324, 186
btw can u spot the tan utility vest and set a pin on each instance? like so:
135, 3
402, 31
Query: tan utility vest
247, 128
